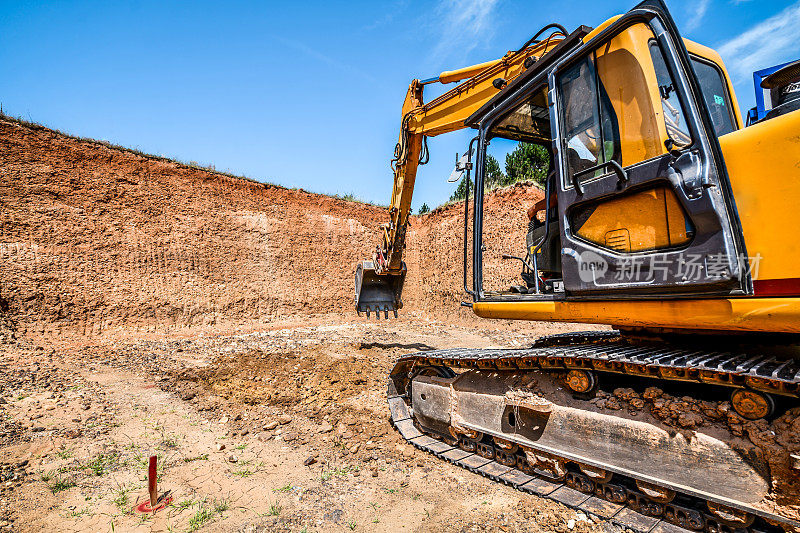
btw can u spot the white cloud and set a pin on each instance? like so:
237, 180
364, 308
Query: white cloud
462, 25
701, 6
330, 61
768, 43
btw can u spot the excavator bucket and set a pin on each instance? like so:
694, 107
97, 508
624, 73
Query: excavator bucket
378, 292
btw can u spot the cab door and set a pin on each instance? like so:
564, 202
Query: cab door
645, 203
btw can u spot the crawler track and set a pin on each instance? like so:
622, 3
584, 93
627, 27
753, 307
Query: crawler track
609, 352
601, 352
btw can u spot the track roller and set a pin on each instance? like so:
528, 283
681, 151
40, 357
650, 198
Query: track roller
581, 381
580, 482
729, 516
751, 404
654, 492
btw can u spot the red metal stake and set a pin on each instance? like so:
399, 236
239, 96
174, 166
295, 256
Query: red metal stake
152, 482
152, 505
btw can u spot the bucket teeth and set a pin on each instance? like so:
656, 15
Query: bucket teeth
378, 292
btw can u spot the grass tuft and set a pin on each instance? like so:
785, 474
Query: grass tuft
202, 516
122, 501
61, 484
205, 513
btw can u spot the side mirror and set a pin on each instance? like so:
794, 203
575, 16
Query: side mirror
462, 165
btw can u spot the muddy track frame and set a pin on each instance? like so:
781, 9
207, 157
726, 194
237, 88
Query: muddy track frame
601, 352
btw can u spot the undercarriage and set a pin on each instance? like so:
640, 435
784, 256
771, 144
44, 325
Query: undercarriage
653, 436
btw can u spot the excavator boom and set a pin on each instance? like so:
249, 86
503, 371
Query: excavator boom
379, 281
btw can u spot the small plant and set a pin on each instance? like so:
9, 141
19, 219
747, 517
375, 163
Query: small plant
122, 501
47, 476
99, 464
352, 525
349, 197
182, 505
286, 488
241, 446
389, 491
336, 472
243, 473
204, 513
61, 484
275, 510
203, 457
202, 516
170, 441
64, 452
221, 506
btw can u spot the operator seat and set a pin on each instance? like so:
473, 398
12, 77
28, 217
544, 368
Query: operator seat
548, 258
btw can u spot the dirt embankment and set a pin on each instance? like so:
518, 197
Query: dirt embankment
94, 239
436, 251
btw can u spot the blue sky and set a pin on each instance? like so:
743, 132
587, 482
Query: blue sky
304, 94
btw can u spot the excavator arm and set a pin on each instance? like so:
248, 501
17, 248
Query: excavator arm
379, 281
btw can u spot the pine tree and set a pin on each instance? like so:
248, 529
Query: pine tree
527, 162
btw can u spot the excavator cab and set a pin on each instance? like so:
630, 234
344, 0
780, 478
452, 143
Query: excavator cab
637, 188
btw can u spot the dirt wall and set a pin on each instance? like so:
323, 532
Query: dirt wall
435, 251
94, 238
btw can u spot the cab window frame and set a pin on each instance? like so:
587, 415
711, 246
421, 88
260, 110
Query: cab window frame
485, 136
559, 69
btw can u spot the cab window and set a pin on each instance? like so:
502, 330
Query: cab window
581, 116
620, 103
674, 119
716, 95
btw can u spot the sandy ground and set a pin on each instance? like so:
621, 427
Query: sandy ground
277, 430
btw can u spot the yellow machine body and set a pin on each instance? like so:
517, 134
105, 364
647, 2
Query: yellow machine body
763, 167
763, 164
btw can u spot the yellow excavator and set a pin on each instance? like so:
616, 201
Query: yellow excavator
664, 217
